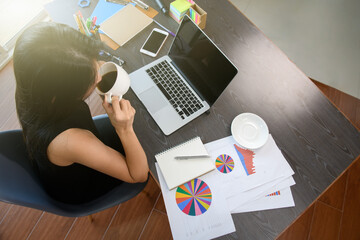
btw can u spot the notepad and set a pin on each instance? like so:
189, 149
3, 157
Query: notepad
177, 172
125, 24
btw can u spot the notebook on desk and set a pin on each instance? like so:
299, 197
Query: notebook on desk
125, 24
182, 85
177, 172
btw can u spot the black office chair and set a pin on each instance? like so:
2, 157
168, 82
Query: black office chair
20, 185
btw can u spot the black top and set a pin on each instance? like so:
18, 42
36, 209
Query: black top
75, 183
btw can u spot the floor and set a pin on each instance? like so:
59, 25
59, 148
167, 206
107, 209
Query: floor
144, 217
320, 37
19, 13
335, 214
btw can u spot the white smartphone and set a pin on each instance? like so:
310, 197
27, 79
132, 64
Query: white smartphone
154, 42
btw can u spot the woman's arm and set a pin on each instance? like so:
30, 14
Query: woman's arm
121, 115
83, 147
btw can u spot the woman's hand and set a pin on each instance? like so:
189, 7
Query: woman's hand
121, 114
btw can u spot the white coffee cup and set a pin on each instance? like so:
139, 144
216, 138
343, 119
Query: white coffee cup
115, 81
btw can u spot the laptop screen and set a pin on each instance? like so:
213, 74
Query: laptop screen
206, 68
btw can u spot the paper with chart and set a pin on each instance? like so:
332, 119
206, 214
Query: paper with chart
238, 201
278, 199
242, 169
197, 209
247, 175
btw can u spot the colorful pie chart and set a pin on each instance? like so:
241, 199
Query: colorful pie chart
194, 197
224, 163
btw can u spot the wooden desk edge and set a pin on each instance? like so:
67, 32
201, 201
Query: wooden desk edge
354, 124
155, 179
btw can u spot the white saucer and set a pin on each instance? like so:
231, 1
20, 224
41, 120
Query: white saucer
249, 130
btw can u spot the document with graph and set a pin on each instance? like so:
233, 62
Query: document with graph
247, 174
246, 168
197, 209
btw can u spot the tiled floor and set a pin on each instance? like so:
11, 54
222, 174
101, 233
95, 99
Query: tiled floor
320, 37
335, 214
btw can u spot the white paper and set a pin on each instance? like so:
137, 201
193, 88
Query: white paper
214, 222
263, 165
237, 201
177, 172
282, 200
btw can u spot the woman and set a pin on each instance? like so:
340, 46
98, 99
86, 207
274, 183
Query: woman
56, 69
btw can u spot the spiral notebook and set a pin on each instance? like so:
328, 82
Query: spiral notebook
177, 172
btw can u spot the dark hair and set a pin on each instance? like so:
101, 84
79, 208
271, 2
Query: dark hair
54, 67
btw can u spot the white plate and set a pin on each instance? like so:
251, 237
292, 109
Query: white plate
249, 130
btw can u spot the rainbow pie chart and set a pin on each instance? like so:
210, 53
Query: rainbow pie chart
194, 197
224, 163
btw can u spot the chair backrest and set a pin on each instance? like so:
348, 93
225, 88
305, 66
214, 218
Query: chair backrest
19, 184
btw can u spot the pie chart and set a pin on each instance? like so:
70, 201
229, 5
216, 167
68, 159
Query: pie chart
224, 163
194, 197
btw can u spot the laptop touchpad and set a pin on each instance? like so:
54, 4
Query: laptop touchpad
153, 99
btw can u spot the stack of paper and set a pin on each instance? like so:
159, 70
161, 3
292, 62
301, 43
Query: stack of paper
244, 180
252, 179
197, 209
178, 9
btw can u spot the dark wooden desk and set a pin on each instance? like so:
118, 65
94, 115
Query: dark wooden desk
315, 138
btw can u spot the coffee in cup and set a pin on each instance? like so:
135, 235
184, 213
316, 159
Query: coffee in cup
115, 81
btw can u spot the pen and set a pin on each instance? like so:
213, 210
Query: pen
89, 23
94, 21
121, 2
171, 33
191, 157
161, 6
141, 4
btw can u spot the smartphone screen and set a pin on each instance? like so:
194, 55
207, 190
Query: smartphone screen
154, 42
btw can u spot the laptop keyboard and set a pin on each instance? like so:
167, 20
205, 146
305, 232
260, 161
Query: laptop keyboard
175, 90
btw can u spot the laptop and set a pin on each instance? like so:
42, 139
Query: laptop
179, 87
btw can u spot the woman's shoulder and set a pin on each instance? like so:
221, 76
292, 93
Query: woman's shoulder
70, 132
67, 145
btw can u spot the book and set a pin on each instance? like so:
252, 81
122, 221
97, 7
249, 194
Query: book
177, 172
125, 24
104, 10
